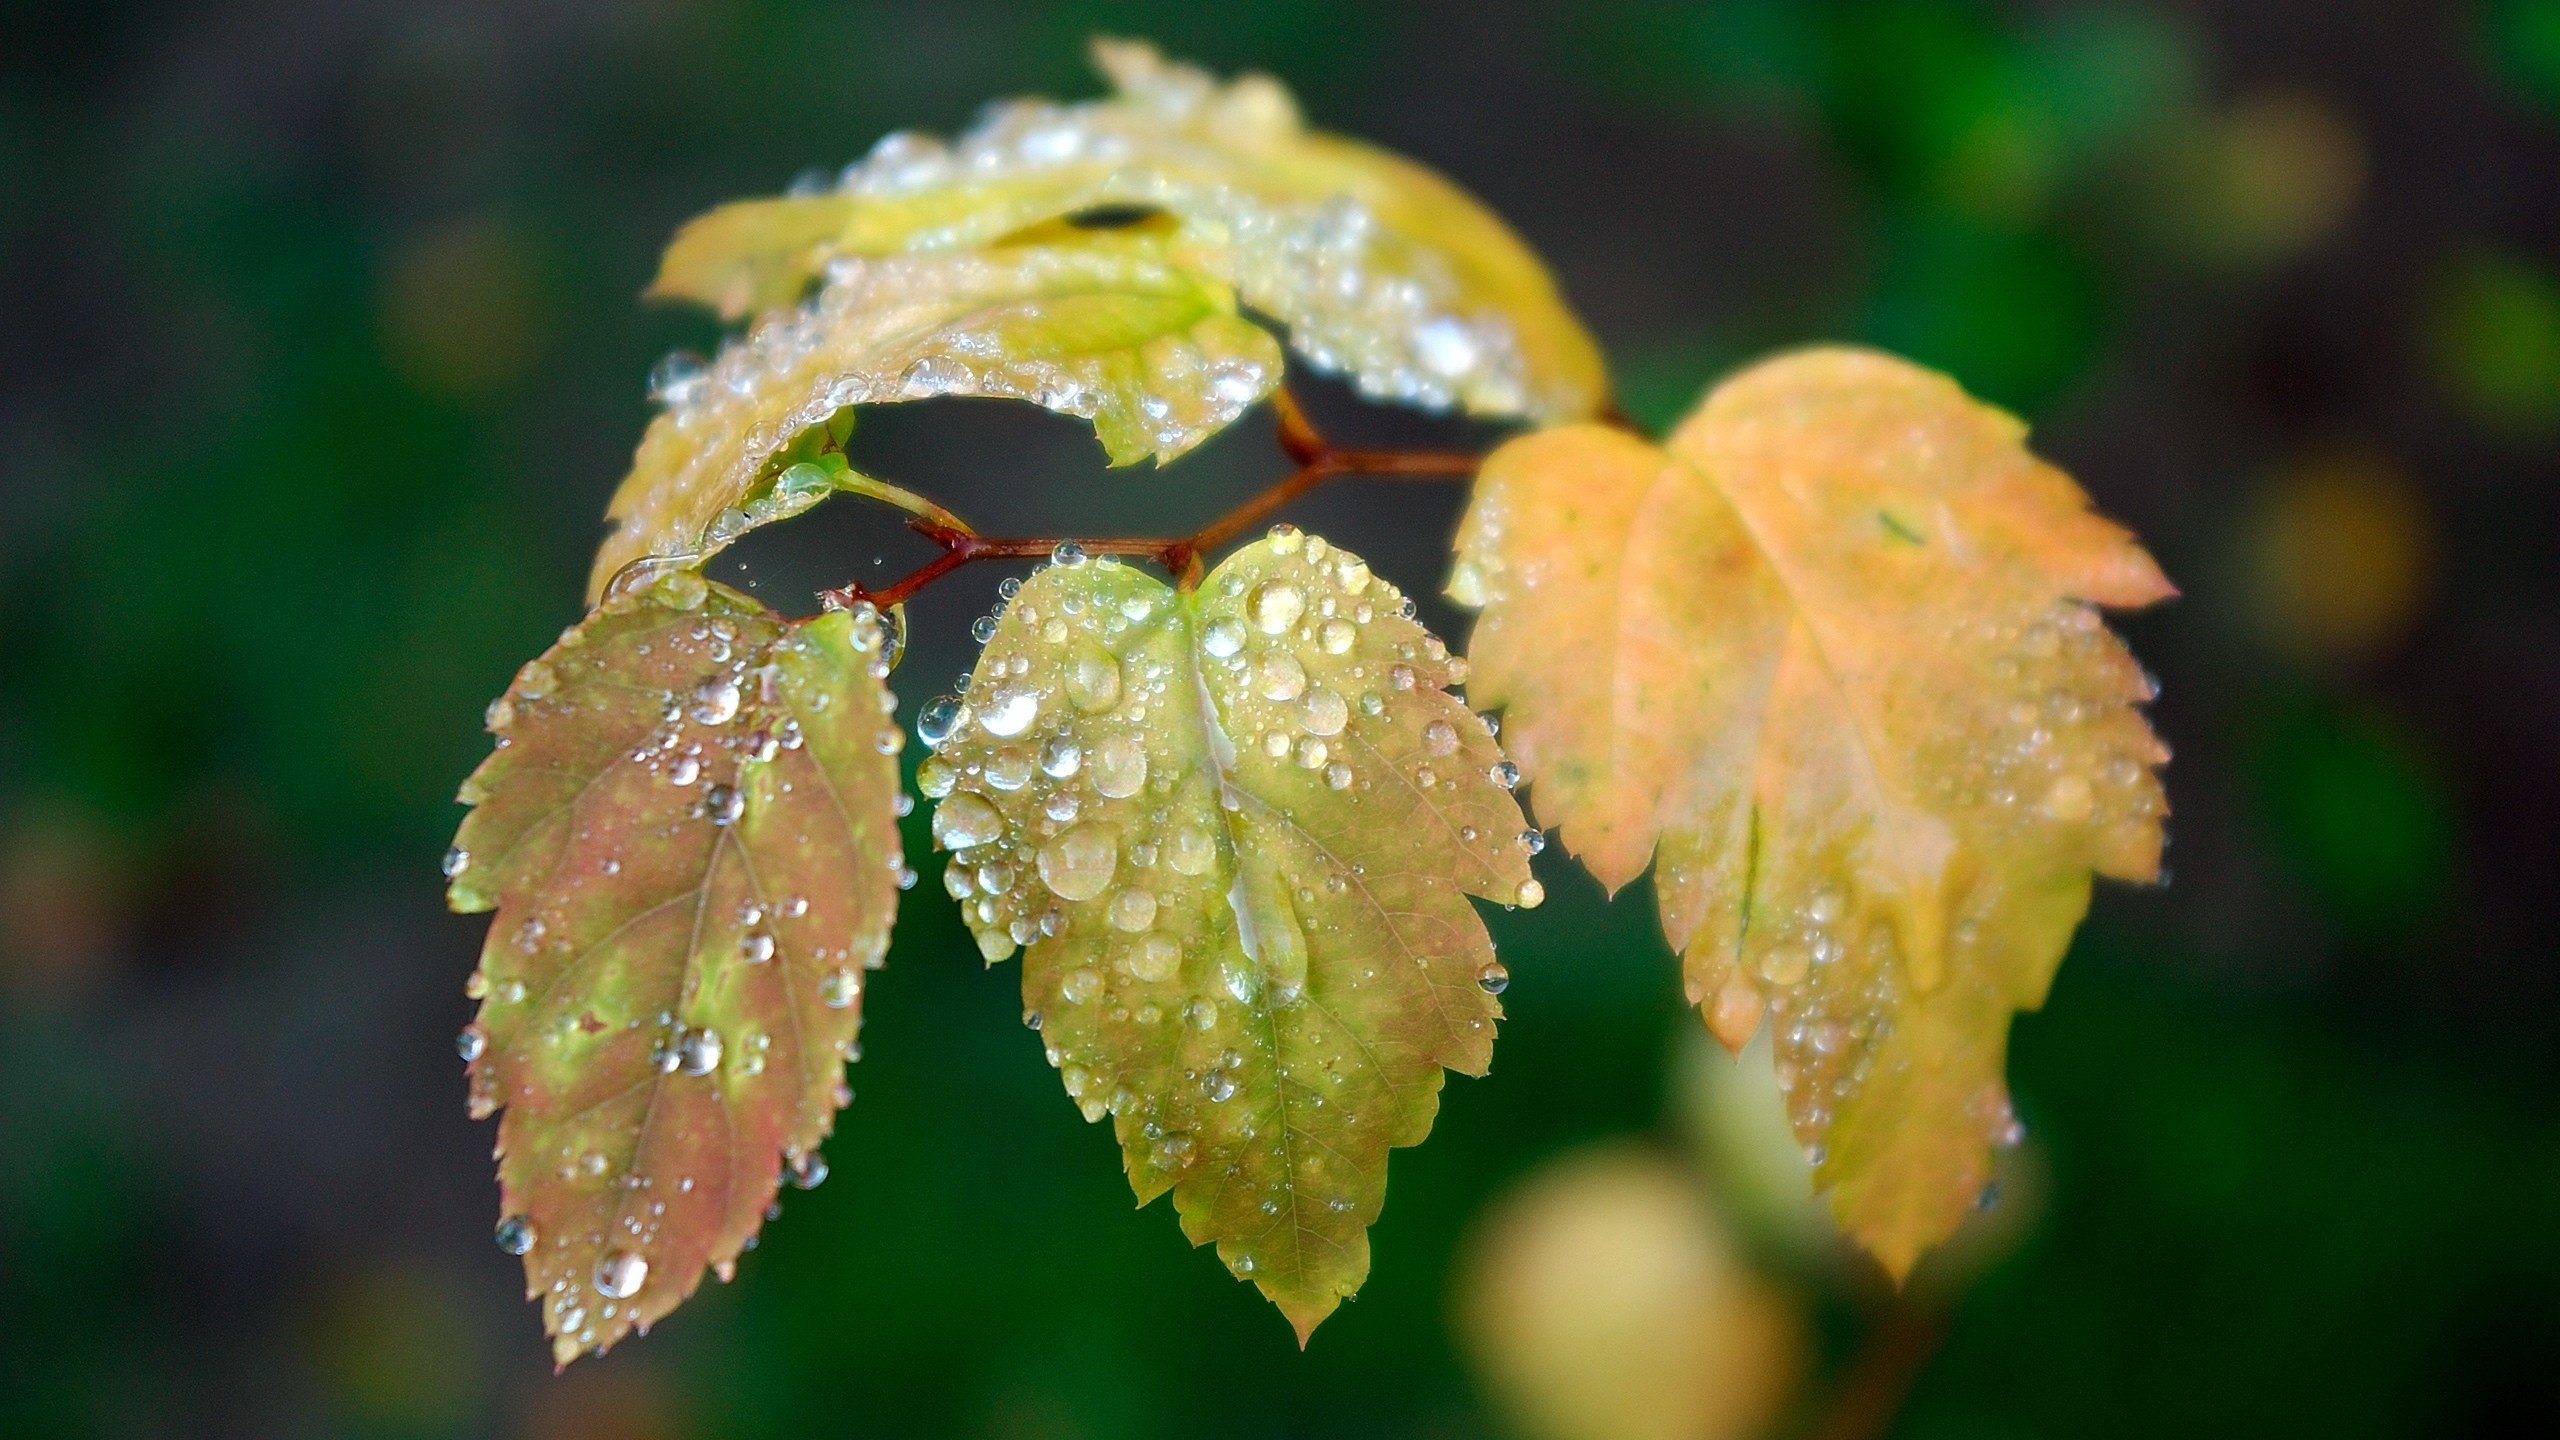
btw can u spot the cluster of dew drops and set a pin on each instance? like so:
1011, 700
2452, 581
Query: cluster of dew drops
691, 726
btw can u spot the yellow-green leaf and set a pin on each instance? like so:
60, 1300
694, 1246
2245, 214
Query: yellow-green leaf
1831, 658
688, 832
1236, 830
1381, 269
1107, 328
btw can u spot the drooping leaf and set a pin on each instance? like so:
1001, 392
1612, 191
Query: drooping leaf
688, 833
1107, 328
1831, 658
1381, 269
1236, 830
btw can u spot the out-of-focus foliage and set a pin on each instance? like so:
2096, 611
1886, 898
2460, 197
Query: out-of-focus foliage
1236, 830
1835, 651
1605, 1299
1382, 270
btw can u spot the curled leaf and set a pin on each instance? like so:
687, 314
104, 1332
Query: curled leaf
1831, 658
1108, 329
1381, 269
1236, 830
688, 833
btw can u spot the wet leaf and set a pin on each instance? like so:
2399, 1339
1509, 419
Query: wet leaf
688, 835
1831, 658
1381, 269
1107, 328
1236, 831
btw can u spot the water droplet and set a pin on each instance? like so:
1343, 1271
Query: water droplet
472, 1043
1079, 985
1133, 910
1337, 776
1493, 979
838, 987
1312, 753
1275, 606
1439, 738
965, 819
1505, 774
1325, 712
722, 804
1786, 964
1532, 894
621, 1273
456, 860
1067, 553
1060, 758
1281, 677
515, 1235
1223, 638
699, 1051
1286, 539
1336, 637
1093, 682
715, 701
807, 1170
1154, 959
1009, 769
1190, 851
1010, 711
685, 771
1400, 676
1078, 865
983, 629
935, 722
1119, 767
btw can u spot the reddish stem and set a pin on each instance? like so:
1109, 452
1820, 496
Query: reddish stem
1319, 462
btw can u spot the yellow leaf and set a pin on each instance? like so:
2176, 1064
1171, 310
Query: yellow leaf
1237, 830
1831, 658
688, 832
1108, 328
1381, 269
1602, 1298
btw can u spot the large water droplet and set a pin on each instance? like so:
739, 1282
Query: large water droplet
1325, 712
838, 987
1133, 910
1275, 606
1060, 758
621, 1273
515, 1234
807, 1170
1493, 979
1010, 711
1119, 767
1223, 638
1078, 865
965, 819
1190, 851
1439, 738
935, 722
1281, 677
699, 1051
715, 701
722, 804
1093, 682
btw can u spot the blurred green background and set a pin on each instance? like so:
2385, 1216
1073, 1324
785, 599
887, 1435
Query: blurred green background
319, 353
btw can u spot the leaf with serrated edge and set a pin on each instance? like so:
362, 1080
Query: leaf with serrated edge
1236, 830
1106, 328
1835, 651
1381, 269
668, 997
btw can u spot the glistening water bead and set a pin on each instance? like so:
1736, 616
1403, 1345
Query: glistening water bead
621, 1273
515, 1235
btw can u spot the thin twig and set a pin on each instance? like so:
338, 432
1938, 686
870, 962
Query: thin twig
1319, 463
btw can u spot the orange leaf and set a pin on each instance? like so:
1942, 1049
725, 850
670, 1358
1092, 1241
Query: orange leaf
1830, 658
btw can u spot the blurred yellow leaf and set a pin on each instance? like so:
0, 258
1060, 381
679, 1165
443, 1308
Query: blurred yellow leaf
1381, 269
1108, 329
1237, 830
1834, 650
1601, 1299
2340, 551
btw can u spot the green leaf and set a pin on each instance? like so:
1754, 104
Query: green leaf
1381, 269
1107, 328
1236, 830
688, 832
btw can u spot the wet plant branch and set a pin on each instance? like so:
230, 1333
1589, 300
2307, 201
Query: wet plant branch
1318, 460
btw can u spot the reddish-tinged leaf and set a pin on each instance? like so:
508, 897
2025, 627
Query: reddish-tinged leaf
688, 833
1831, 659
